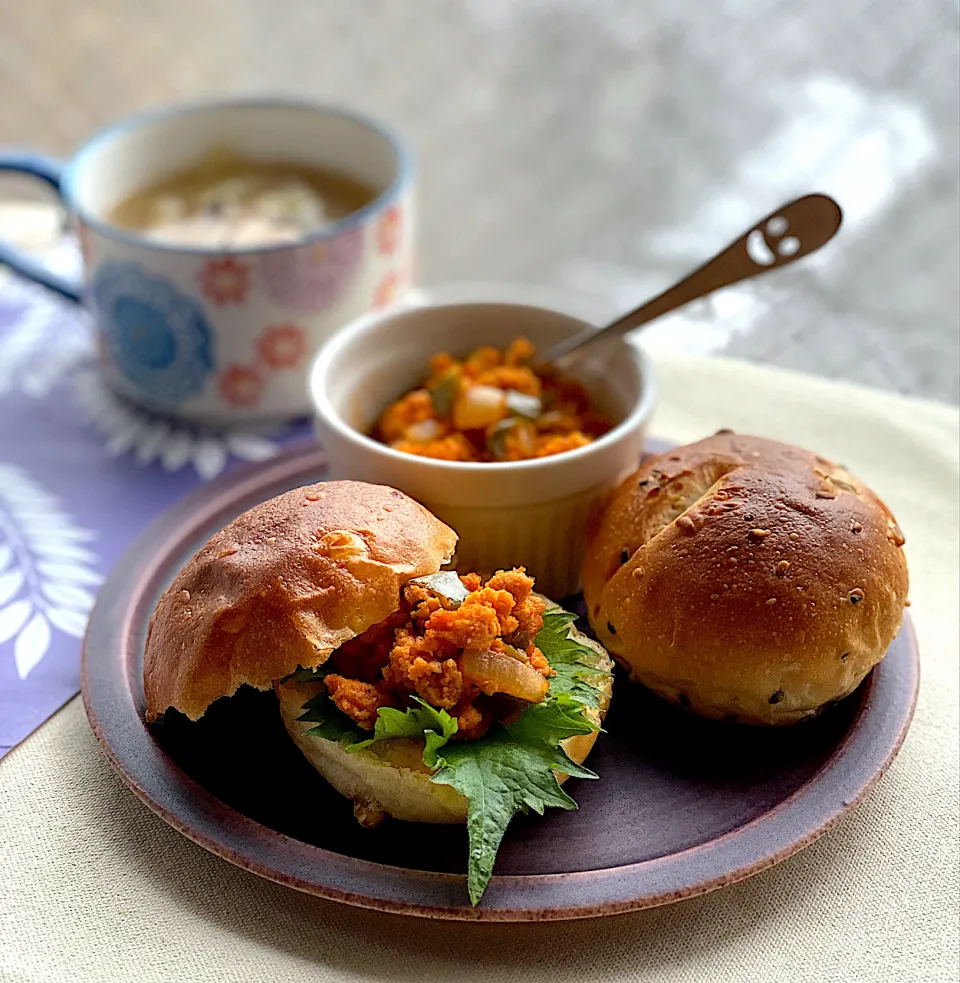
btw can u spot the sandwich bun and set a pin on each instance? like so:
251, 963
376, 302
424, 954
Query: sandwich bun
282, 587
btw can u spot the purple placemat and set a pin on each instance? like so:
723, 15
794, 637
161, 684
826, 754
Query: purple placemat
81, 474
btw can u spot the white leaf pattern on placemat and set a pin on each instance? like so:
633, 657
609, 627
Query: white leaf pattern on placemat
70, 622
46, 576
31, 644
68, 573
12, 618
129, 429
29, 362
250, 446
10, 584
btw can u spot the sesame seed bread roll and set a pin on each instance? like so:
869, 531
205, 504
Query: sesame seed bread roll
746, 579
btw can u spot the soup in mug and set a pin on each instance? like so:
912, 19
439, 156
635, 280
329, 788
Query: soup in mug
226, 201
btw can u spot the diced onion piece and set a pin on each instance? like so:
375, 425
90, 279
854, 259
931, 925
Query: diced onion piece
497, 672
520, 404
478, 407
423, 431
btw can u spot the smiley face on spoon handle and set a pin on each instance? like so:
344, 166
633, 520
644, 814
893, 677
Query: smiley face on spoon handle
785, 235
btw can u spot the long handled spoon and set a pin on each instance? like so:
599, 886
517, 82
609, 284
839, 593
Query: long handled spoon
791, 232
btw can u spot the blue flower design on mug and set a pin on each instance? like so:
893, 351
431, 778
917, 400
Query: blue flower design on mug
157, 337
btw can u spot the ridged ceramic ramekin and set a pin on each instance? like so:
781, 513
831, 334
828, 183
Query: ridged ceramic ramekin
532, 513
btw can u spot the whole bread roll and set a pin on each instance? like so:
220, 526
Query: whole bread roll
746, 579
282, 586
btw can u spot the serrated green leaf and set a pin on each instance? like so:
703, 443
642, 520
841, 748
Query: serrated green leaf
507, 771
555, 642
553, 721
434, 727
579, 668
514, 767
332, 723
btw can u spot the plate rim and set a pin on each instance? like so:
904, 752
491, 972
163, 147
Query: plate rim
510, 897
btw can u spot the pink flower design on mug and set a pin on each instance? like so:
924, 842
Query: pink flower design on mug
282, 346
224, 281
311, 279
241, 386
387, 290
390, 230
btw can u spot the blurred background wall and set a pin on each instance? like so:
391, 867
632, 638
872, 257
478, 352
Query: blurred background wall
597, 146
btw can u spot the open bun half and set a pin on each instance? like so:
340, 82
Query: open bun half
282, 586
389, 778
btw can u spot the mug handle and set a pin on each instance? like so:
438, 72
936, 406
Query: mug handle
49, 170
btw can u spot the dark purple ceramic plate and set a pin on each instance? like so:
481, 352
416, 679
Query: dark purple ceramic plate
682, 806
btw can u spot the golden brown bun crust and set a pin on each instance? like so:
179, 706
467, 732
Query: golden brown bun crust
282, 586
746, 578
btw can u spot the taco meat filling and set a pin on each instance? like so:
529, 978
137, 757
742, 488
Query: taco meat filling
493, 405
473, 656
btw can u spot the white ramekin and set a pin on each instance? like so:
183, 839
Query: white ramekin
533, 512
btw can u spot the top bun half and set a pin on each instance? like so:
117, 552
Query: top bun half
284, 585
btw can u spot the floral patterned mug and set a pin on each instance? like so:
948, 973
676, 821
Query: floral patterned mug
227, 336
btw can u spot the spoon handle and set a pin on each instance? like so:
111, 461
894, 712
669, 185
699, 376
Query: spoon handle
791, 232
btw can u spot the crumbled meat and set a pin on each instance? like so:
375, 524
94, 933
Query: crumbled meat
423, 602
483, 359
537, 660
358, 700
518, 351
452, 447
416, 651
439, 683
424, 665
415, 407
482, 617
551, 444
441, 362
528, 608
517, 377
516, 582
472, 581
473, 722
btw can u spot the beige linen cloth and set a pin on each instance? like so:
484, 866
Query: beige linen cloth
94, 887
